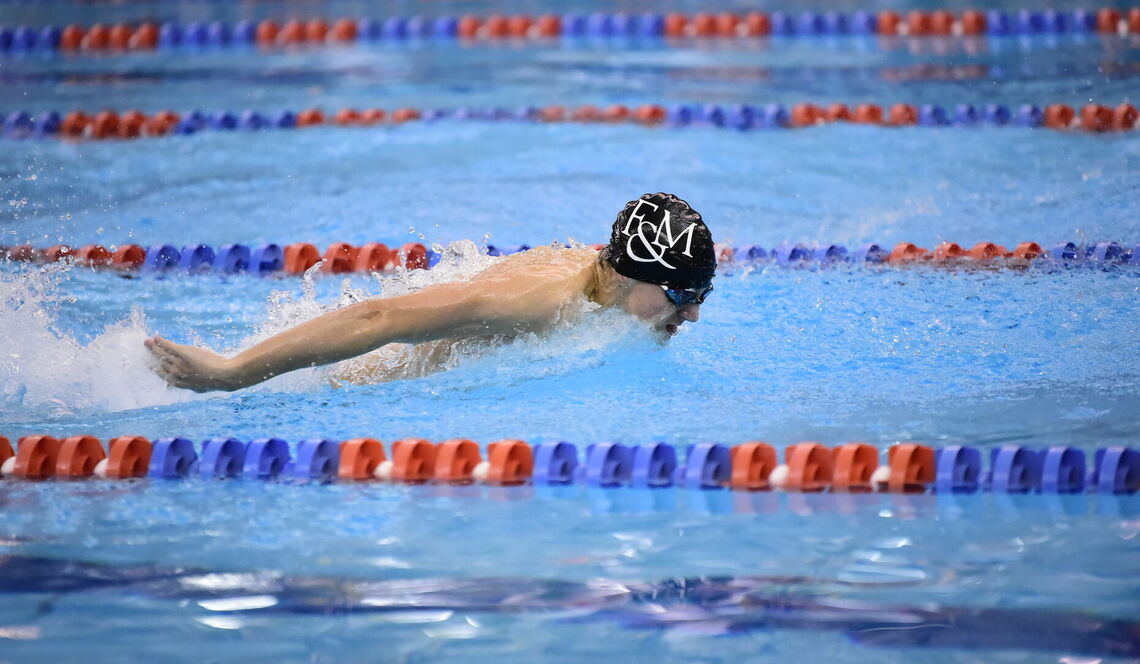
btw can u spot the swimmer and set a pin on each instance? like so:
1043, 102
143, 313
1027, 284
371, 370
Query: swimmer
658, 266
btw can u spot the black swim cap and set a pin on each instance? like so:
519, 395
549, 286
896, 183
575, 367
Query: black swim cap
658, 238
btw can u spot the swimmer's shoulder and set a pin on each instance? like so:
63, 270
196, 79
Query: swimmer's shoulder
544, 262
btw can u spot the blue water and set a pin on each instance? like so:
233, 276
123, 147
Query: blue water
942, 356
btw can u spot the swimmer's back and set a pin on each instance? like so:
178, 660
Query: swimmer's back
541, 264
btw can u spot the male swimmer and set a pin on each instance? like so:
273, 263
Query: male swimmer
658, 266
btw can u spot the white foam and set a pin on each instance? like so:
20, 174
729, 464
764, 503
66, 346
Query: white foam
44, 370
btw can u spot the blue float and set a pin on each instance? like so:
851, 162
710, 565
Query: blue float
218, 34
782, 24
958, 469
18, 125
751, 253
266, 258
265, 459
1134, 255
997, 22
527, 113
742, 117
707, 466
223, 120
221, 457
836, 23
24, 38
997, 114
930, 115
317, 459
285, 120
869, 253
965, 114
712, 114
169, 35
252, 121
607, 464
195, 258
1117, 470
573, 25
791, 253
445, 27
864, 23
394, 27
1063, 470
1029, 115
810, 23
49, 37
830, 253
653, 465
171, 458
1054, 21
433, 114
555, 463
1107, 252
231, 258
623, 25
245, 32
1082, 20
433, 258
5, 38
161, 257
47, 124
418, 27
679, 115
195, 34
369, 29
650, 25
599, 24
1030, 22
1014, 469
1065, 251
775, 116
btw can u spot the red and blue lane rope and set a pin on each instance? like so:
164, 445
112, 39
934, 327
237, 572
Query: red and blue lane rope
103, 125
342, 257
673, 26
808, 467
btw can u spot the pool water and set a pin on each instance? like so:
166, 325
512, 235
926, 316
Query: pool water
838, 353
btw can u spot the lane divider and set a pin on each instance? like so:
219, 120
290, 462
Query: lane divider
807, 467
673, 27
104, 125
342, 257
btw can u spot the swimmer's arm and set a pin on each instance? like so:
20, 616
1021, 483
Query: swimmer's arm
444, 310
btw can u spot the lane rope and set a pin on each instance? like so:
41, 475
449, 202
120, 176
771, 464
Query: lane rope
807, 467
104, 125
341, 257
673, 27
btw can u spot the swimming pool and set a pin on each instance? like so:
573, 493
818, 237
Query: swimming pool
843, 352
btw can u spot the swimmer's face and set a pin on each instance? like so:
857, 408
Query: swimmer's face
649, 303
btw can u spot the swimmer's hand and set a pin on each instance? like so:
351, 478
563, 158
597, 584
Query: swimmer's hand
192, 368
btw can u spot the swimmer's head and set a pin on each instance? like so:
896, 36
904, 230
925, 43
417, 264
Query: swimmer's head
662, 245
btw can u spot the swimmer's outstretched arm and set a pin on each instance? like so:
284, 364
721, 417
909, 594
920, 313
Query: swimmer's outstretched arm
444, 310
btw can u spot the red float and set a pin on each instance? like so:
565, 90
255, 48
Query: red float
549, 25
374, 257
757, 24
74, 124
704, 25
837, 112
1107, 21
906, 252
809, 467
918, 23
5, 450
455, 460
129, 457
941, 22
948, 251
511, 462
806, 115
105, 125
347, 116
316, 30
372, 116
340, 257
987, 251
1027, 251
973, 22
128, 257
912, 468
293, 32
649, 114
413, 460
145, 38
727, 25
161, 123
616, 113
1095, 117
131, 124
267, 32
119, 37
343, 30
401, 115
415, 256
36, 457
675, 24
518, 26
310, 117
71, 39
1059, 116
752, 463
300, 256
552, 114
854, 464
867, 114
495, 26
93, 255
98, 37
468, 27
78, 456
359, 458
1124, 117
889, 23
902, 114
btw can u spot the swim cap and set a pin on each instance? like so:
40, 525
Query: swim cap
658, 238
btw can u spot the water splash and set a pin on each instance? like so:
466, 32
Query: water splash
45, 372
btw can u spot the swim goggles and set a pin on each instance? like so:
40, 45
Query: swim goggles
682, 296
